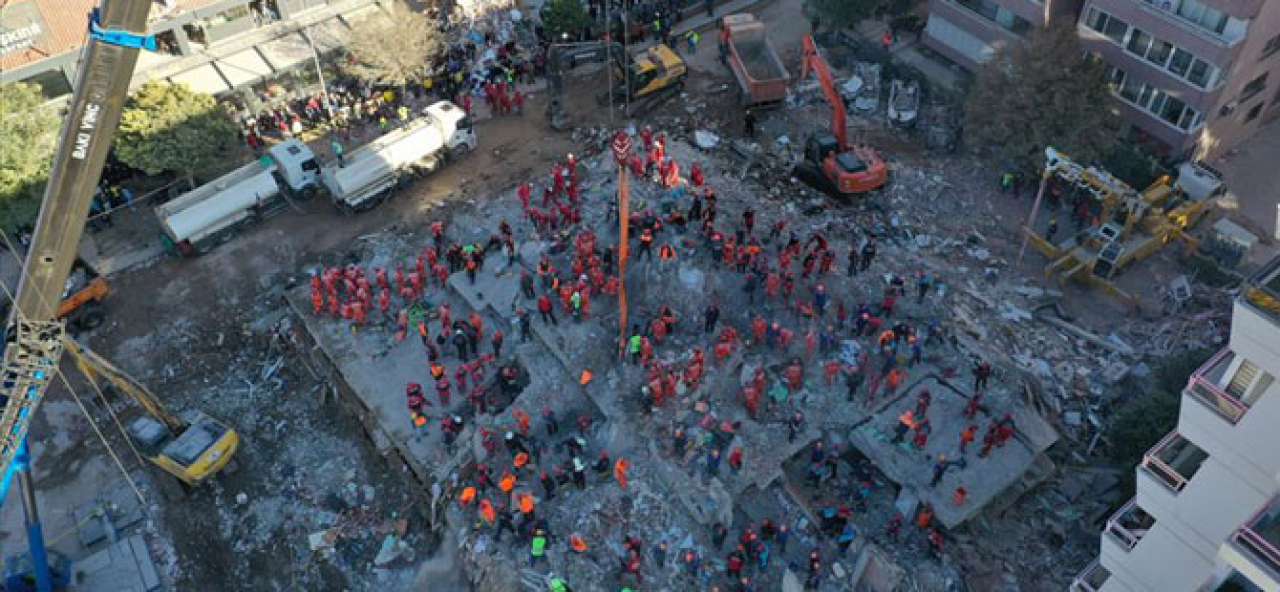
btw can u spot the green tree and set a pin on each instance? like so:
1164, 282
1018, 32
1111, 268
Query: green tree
563, 17
168, 128
1150, 410
28, 132
395, 47
1042, 93
840, 14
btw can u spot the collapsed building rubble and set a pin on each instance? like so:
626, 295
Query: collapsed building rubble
571, 369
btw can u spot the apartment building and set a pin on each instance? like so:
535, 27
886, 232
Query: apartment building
1206, 514
967, 32
215, 46
1191, 78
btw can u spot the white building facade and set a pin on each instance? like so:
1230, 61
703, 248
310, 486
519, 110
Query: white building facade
1206, 516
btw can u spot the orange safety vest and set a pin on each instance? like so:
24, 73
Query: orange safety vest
486, 511
468, 494
521, 460
577, 543
667, 253
526, 503
620, 471
507, 483
895, 377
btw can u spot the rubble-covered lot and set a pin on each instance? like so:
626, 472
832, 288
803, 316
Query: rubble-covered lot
1049, 374
337, 490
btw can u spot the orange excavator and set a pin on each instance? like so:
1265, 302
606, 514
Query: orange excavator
830, 163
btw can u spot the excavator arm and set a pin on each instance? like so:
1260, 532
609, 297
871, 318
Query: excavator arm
813, 61
562, 57
96, 368
34, 343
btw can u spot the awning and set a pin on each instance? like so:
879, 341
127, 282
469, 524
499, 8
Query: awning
244, 68
331, 34
360, 13
286, 51
204, 78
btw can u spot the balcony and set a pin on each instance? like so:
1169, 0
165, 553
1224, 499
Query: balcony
1174, 461
1129, 524
1166, 10
1261, 291
1259, 538
1203, 387
1091, 578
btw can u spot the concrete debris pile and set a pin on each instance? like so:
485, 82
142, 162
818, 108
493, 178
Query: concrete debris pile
750, 396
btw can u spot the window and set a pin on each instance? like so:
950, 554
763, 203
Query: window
1129, 91
1172, 110
1201, 73
1115, 78
1139, 41
1159, 52
997, 14
1254, 87
1110, 26
1154, 50
1272, 46
53, 83
1211, 19
1253, 113
1181, 62
1144, 95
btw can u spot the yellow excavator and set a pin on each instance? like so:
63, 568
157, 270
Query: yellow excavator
1131, 225
34, 336
192, 446
640, 81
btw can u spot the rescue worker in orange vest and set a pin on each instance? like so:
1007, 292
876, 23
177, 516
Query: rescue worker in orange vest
507, 482
620, 472
894, 380
522, 421
468, 494
317, 297
666, 252
545, 271
486, 511
646, 245
417, 403
906, 422
577, 544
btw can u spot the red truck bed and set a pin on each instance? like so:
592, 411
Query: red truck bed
761, 76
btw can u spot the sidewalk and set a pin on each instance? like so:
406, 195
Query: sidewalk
906, 52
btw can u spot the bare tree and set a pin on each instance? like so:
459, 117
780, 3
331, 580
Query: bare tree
394, 47
1043, 93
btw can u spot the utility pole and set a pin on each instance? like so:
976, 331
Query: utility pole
315, 58
608, 28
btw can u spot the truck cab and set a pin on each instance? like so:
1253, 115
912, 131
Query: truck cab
198, 452
296, 167
454, 125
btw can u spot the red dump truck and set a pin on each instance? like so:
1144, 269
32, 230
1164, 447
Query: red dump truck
762, 79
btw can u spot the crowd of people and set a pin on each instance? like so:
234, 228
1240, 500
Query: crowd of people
790, 315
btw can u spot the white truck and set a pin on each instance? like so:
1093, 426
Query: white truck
196, 221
